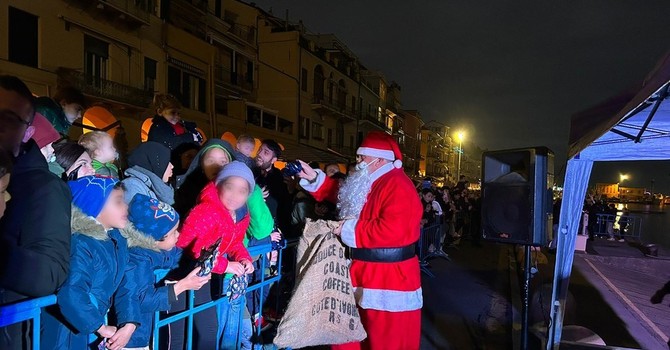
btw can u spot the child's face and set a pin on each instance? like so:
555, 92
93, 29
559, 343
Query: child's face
170, 240
428, 197
173, 115
234, 192
246, 148
213, 161
4, 182
115, 212
106, 153
72, 111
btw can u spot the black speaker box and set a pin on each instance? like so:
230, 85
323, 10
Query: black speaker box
517, 195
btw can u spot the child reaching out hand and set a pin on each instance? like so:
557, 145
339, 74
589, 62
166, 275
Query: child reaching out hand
152, 235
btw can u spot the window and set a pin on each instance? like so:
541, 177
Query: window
149, 74
250, 72
217, 8
254, 116
190, 89
304, 128
22, 37
330, 137
317, 131
303, 80
221, 105
285, 126
351, 141
269, 121
96, 55
353, 104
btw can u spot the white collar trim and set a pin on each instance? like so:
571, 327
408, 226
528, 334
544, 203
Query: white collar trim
381, 171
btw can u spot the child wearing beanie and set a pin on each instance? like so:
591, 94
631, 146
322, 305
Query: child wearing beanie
152, 235
221, 214
98, 258
45, 135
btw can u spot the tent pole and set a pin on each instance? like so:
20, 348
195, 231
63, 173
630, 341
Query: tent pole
662, 95
526, 298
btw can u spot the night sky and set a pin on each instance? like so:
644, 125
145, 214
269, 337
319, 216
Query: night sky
511, 73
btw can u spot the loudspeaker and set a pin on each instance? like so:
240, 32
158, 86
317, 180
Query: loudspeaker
517, 195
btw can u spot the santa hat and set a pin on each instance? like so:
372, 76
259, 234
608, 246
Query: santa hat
381, 145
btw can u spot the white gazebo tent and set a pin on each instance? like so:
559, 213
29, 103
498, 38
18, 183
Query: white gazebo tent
632, 126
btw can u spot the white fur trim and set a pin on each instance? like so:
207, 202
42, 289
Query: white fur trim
348, 234
381, 171
376, 152
389, 300
313, 187
397, 163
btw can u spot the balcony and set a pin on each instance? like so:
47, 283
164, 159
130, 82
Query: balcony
372, 119
133, 13
104, 89
245, 33
134, 8
326, 106
237, 81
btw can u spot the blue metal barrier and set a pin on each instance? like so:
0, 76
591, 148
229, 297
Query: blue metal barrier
30, 310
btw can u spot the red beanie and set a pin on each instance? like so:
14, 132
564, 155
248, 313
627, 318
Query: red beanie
44, 131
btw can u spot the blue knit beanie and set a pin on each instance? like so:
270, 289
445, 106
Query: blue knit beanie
239, 169
90, 193
151, 216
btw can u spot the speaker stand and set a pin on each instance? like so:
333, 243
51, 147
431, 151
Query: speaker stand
525, 298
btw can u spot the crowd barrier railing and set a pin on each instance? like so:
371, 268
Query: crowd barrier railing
430, 245
31, 310
617, 226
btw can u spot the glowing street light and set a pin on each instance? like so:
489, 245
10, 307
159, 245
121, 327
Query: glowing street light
460, 136
623, 177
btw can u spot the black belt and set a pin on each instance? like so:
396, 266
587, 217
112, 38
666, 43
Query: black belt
385, 255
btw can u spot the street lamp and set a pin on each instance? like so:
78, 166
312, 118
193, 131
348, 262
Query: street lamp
623, 177
460, 136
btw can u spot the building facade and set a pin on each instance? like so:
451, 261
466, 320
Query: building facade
235, 68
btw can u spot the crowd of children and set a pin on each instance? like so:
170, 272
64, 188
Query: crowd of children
118, 244
109, 241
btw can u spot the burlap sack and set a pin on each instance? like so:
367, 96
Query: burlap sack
322, 310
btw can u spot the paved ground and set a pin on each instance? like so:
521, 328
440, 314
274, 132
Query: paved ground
467, 303
627, 284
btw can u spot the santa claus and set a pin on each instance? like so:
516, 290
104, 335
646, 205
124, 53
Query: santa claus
381, 215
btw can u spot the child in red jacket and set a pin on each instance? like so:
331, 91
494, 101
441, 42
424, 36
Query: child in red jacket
220, 214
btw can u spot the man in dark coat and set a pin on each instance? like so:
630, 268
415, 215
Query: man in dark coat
272, 180
35, 230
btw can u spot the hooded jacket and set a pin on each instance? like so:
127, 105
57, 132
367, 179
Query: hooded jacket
51, 110
163, 132
208, 222
35, 230
148, 163
193, 181
98, 261
146, 288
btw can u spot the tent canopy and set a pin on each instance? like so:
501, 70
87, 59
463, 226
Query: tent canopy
634, 125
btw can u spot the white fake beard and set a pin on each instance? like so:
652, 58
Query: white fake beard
353, 194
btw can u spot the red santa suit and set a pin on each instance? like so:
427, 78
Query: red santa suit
388, 294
